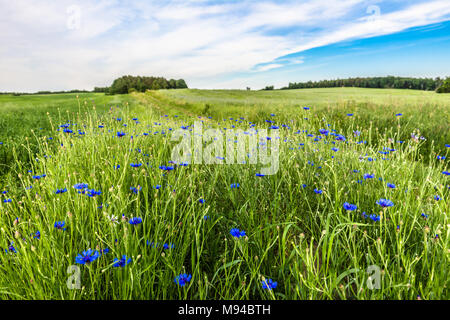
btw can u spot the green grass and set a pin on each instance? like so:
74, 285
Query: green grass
305, 241
26, 117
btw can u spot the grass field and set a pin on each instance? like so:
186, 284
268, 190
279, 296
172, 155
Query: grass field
93, 207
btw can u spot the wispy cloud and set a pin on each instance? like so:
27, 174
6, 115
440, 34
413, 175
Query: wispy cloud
46, 46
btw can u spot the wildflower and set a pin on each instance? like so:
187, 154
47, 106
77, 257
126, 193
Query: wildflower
80, 186
391, 185
350, 207
92, 193
384, 203
237, 233
121, 134
135, 221
260, 175
182, 279
269, 284
425, 216
235, 185
136, 190
87, 257
335, 149
368, 176
167, 246
113, 219
37, 235
201, 201
59, 191
437, 198
166, 168
317, 191
121, 262
136, 165
324, 132
374, 217
60, 225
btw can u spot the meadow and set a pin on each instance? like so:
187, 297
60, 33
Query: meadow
92, 206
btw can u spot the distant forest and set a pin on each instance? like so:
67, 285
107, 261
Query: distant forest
124, 84
389, 82
127, 84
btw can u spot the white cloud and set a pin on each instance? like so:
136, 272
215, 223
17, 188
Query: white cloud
195, 40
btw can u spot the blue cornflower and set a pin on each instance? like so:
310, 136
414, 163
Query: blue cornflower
425, 216
269, 284
120, 134
335, 149
317, 191
135, 221
260, 175
201, 201
168, 246
349, 206
166, 168
7, 201
368, 176
391, 185
237, 233
374, 217
60, 225
324, 132
37, 235
59, 191
136, 190
235, 185
437, 198
385, 203
121, 262
80, 186
87, 256
136, 165
446, 173
92, 193
182, 279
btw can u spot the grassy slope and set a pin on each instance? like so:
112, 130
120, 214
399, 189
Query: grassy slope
301, 239
425, 111
29, 116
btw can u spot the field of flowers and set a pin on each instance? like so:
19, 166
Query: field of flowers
94, 207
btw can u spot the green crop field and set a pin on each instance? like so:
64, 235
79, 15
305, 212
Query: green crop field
93, 204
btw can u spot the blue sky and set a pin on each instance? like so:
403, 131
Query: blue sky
61, 45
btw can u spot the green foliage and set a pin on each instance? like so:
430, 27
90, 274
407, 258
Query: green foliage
445, 88
305, 241
123, 84
389, 82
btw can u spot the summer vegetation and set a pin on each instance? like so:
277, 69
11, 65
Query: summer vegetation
378, 82
89, 190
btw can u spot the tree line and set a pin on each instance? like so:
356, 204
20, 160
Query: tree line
124, 84
128, 84
389, 82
